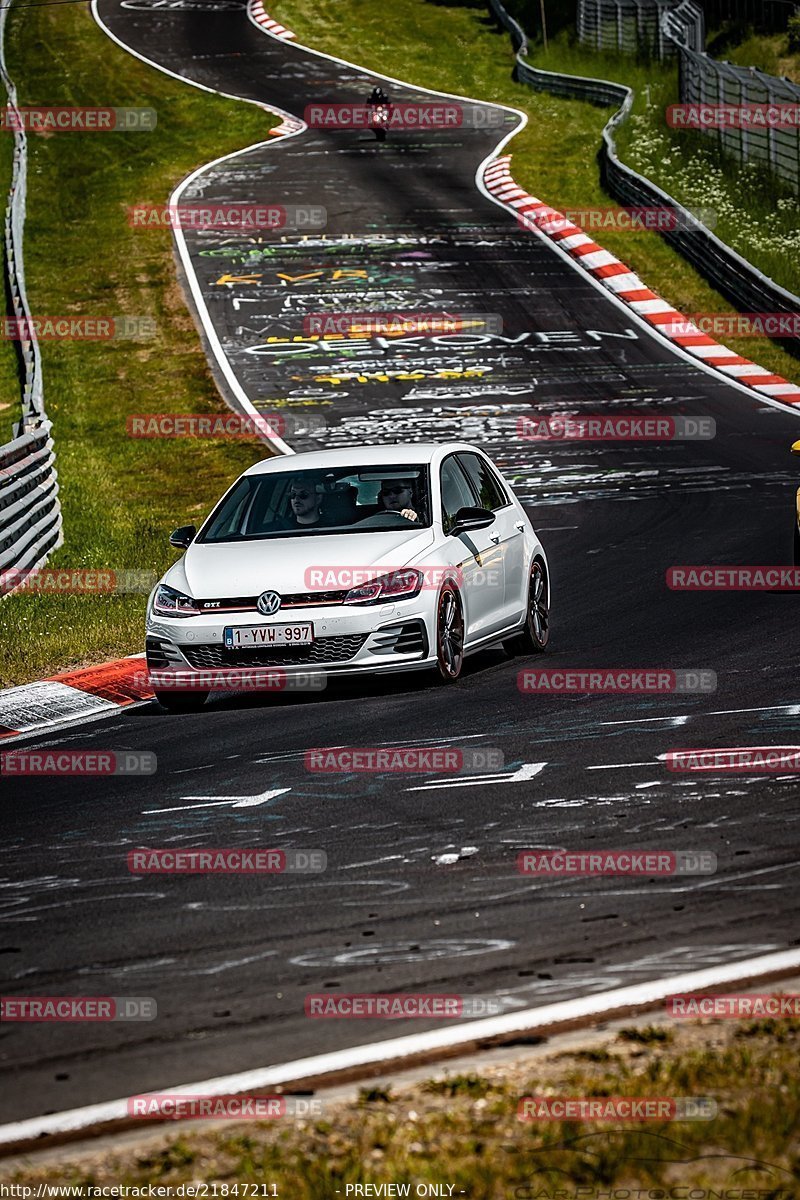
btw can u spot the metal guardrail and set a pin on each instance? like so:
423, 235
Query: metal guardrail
30, 511
30, 519
737, 279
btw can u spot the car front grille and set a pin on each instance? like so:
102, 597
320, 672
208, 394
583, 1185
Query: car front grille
290, 600
324, 650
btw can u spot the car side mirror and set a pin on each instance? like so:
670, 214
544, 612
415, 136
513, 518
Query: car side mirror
471, 518
183, 537
796, 448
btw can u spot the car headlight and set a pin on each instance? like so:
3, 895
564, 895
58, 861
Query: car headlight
169, 603
400, 585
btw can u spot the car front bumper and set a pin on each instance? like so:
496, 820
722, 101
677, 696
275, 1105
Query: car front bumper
397, 637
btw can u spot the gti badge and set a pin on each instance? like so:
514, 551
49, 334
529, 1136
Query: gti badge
268, 603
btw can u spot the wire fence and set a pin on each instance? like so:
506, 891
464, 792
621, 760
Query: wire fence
633, 26
762, 136
749, 289
761, 124
30, 511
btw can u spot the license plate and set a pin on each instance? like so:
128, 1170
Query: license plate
252, 637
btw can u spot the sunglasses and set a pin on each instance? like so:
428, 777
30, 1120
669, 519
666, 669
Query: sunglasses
392, 491
299, 495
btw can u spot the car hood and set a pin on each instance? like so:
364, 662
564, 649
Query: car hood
210, 571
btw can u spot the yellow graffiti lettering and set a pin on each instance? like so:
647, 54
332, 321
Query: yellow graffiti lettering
229, 280
297, 278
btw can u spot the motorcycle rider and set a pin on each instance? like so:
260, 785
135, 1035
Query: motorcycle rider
380, 105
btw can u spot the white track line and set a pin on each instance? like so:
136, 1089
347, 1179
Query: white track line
180, 240
585, 1008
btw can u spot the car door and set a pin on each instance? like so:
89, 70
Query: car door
507, 533
477, 555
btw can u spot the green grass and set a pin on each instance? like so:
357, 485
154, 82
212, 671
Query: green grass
769, 52
647, 1035
120, 497
457, 47
464, 1131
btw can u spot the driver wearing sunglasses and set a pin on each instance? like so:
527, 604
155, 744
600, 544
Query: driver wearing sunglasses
396, 495
304, 502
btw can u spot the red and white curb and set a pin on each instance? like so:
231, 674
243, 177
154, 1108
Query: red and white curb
403, 1052
628, 287
92, 691
257, 13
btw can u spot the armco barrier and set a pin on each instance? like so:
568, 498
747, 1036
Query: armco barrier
747, 288
30, 516
30, 512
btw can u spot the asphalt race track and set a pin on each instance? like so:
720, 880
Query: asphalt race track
231, 959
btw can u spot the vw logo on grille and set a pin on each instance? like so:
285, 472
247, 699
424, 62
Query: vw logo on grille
268, 603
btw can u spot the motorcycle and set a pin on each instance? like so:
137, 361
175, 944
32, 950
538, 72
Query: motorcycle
379, 120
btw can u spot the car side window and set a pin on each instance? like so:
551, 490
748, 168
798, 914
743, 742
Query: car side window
456, 492
490, 493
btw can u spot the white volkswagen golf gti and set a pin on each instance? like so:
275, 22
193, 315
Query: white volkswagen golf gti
364, 559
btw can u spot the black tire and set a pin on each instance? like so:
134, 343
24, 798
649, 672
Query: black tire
449, 634
535, 634
182, 701
380, 134
797, 545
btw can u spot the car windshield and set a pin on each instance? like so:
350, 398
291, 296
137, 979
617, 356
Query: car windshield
281, 504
